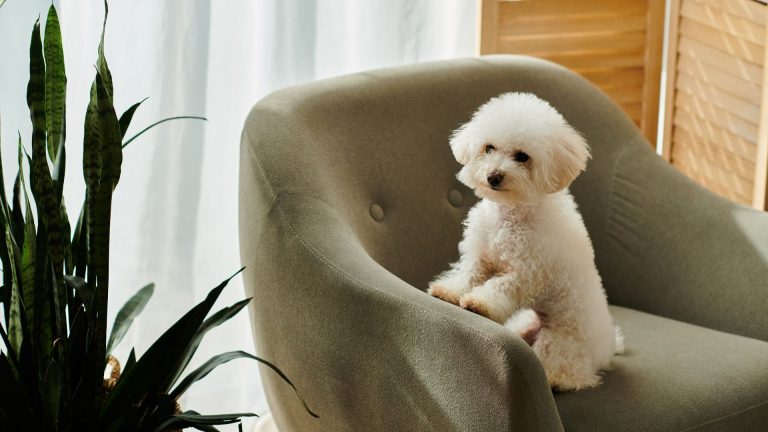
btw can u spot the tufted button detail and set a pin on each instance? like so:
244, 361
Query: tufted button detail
377, 213
455, 198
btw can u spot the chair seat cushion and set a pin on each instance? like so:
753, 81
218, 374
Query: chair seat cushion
674, 377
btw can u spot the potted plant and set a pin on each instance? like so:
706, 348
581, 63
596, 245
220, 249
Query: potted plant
55, 286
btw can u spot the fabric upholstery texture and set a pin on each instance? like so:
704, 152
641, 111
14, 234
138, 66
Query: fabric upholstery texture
349, 205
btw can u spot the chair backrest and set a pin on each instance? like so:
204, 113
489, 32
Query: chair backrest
375, 147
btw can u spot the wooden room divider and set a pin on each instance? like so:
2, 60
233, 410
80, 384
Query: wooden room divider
715, 125
715, 113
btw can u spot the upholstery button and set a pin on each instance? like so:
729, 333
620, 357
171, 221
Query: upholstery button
377, 213
455, 198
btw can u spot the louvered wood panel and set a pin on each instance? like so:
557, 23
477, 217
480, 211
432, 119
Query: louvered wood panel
617, 44
715, 115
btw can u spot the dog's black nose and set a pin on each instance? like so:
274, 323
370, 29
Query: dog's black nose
495, 179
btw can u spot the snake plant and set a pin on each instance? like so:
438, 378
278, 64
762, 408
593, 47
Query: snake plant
55, 280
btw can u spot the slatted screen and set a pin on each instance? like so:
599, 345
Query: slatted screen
617, 44
715, 92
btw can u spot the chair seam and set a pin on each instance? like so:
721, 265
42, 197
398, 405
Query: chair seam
725, 416
261, 169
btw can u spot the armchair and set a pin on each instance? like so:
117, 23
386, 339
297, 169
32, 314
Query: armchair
349, 205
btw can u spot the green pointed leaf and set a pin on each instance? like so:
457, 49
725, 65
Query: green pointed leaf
92, 144
111, 148
211, 322
4, 220
15, 327
66, 247
59, 167
130, 310
4, 209
125, 144
2, 2
199, 421
150, 375
17, 214
220, 359
99, 215
206, 368
51, 394
78, 346
36, 91
130, 362
40, 175
55, 84
79, 245
46, 198
44, 327
127, 116
81, 287
101, 64
3, 199
27, 250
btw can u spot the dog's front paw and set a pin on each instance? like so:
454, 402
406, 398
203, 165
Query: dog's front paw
443, 293
473, 304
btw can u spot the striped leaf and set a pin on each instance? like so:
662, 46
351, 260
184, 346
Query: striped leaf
3, 198
36, 87
99, 217
111, 144
92, 144
130, 310
17, 213
15, 327
101, 63
27, 251
43, 189
44, 335
5, 293
79, 246
55, 84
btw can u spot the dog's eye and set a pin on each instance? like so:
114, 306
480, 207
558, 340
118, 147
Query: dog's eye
489, 148
521, 157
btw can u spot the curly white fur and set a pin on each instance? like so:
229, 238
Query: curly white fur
526, 258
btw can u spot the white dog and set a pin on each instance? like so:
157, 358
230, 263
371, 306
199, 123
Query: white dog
526, 259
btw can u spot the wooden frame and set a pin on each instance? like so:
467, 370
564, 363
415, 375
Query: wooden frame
671, 76
654, 46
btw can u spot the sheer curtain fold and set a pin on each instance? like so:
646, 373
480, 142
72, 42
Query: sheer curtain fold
175, 209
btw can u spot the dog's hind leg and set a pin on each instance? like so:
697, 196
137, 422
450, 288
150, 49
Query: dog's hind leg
566, 360
526, 323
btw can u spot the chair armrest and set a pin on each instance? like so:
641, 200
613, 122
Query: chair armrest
367, 350
667, 246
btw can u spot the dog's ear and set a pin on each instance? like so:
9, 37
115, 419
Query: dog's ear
462, 144
568, 157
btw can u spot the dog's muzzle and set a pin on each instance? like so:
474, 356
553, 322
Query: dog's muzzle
495, 179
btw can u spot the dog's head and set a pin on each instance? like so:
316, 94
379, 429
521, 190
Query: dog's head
516, 148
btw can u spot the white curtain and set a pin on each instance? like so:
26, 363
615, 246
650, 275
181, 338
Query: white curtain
175, 209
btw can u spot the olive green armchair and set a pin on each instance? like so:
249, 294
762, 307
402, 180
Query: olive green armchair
349, 205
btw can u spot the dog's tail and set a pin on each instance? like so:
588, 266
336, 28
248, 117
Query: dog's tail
619, 338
